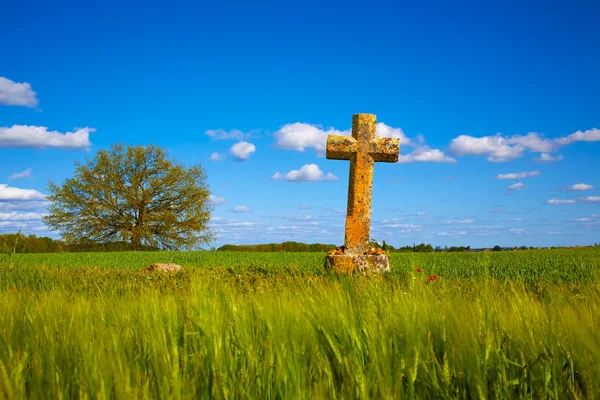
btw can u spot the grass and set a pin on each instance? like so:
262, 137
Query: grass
246, 325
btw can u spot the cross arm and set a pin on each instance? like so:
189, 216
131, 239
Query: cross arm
340, 147
384, 149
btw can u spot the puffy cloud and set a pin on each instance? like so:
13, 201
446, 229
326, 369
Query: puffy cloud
18, 216
589, 199
221, 134
301, 136
517, 186
20, 175
500, 148
308, 172
25, 136
242, 150
8, 193
590, 135
386, 131
518, 175
534, 142
16, 94
545, 157
23, 205
581, 187
241, 209
425, 154
496, 148
560, 201
216, 200
216, 157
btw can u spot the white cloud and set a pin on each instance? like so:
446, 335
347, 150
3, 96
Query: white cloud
385, 131
545, 157
216, 200
17, 216
230, 223
421, 213
534, 142
555, 233
452, 233
519, 231
242, 150
20, 175
8, 193
517, 186
500, 148
560, 201
216, 156
308, 172
221, 134
589, 199
581, 187
301, 136
518, 175
22, 205
581, 219
590, 135
16, 94
39, 137
496, 148
425, 154
241, 209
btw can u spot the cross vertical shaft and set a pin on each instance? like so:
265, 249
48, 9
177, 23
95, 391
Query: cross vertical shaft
362, 149
360, 183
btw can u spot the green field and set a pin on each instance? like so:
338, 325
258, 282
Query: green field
522, 324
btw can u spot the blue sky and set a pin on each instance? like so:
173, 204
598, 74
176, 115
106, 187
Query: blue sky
496, 106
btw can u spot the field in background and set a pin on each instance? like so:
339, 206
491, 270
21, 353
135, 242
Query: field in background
276, 325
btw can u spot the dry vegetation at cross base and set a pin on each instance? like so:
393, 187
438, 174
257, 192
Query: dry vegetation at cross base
260, 330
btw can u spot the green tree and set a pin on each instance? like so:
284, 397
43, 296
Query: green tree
134, 194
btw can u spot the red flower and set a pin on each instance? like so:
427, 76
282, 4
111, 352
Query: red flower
419, 270
431, 278
11, 290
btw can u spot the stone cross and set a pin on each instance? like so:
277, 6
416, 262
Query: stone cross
362, 149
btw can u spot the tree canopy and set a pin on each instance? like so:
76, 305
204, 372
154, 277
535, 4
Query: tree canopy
134, 194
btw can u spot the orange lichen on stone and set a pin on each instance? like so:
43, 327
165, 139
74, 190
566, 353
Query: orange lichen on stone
364, 264
363, 149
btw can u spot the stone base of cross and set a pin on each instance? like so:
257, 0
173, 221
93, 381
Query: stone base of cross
363, 149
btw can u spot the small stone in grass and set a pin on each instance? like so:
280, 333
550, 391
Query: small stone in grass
159, 267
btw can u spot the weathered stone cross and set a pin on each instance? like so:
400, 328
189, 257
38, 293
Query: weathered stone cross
363, 149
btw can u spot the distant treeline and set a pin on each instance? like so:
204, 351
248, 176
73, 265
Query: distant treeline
280, 247
21, 243
318, 247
